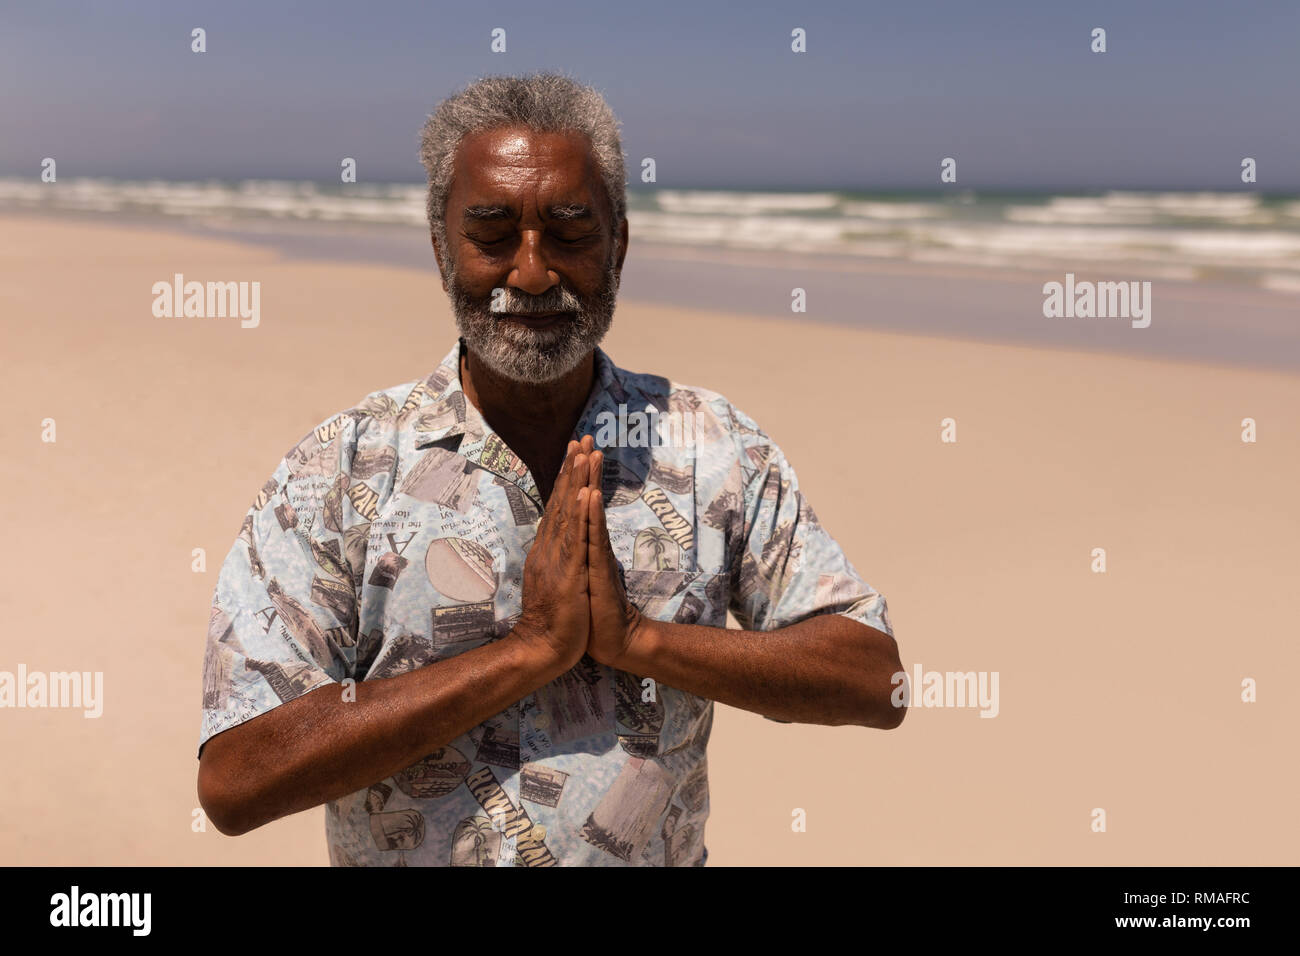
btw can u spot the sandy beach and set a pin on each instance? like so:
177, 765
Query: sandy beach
1118, 690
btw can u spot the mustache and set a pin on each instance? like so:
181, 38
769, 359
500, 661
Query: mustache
556, 299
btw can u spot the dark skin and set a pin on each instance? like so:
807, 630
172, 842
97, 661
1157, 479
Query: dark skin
320, 746
528, 174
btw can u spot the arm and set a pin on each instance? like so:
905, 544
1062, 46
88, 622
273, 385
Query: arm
320, 746
827, 669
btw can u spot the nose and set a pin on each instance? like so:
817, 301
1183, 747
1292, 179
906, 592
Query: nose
530, 272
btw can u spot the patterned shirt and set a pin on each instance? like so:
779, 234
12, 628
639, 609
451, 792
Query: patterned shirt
393, 536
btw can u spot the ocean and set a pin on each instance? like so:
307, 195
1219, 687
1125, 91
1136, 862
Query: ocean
1234, 236
1225, 266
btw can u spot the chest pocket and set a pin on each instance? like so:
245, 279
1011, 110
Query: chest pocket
683, 597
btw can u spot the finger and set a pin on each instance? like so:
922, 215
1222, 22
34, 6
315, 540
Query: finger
597, 470
584, 533
589, 443
570, 451
612, 564
557, 501
566, 466
579, 471
609, 546
575, 533
569, 502
598, 548
552, 522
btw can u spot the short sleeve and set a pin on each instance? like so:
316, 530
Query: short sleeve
283, 619
787, 567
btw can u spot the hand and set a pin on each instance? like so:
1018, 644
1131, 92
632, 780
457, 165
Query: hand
616, 623
555, 618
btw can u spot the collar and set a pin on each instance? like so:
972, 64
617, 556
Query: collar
442, 412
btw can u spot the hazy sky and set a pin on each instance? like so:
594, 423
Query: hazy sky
710, 89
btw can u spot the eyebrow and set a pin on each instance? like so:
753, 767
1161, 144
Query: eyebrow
564, 212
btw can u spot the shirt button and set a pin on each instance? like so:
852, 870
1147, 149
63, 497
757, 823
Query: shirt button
538, 833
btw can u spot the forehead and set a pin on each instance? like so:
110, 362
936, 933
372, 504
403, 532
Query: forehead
507, 163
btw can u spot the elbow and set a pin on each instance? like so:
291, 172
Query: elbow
891, 717
896, 697
880, 716
890, 714
221, 803
887, 693
877, 707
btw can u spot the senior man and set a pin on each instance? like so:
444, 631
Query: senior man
482, 616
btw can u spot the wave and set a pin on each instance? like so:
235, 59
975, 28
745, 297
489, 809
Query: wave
1229, 236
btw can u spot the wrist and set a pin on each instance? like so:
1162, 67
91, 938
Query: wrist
540, 655
643, 637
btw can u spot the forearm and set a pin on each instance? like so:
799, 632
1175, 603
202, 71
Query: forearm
828, 669
319, 747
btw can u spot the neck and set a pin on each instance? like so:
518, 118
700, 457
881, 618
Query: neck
536, 421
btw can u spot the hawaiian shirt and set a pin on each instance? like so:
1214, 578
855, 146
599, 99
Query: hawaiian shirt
393, 536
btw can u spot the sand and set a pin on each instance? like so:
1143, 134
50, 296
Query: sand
1119, 691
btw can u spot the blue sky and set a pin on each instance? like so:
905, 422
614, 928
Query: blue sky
710, 89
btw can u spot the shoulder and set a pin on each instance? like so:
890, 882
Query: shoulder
716, 420
732, 459
375, 418
355, 445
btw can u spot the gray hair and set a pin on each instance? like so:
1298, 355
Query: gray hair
546, 102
